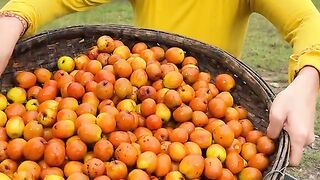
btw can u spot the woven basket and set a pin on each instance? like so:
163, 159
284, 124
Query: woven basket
251, 91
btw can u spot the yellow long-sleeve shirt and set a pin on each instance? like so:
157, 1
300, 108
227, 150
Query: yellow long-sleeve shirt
222, 23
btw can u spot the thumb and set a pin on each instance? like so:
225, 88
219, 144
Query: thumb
277, 117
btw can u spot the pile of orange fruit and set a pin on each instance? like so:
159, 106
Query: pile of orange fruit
116, 113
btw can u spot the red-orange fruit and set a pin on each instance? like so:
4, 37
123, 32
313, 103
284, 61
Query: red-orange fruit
235, 146
153, 122
192, 166
93, 66
47, 93
223, 135
236, 127
15, 148
34, 148
147, 55
199, 104
126, 121
189, 126
182, 114
189, 60
259, 161
149, 143
103, 150
172, 99
116, 169
75, 90
226, 175
138, 47
63, 129
89, 133
247, 126
106, 122
122, 68
42, 75
212, 168
163, 165
224, 82
58, 74
15, 109
138, 174
234, 162
148, 107
253, 136
161, 134
105, 44
26, 79
126, 153
199, 118
9, 166
105, 75
32, 92
213, 123
174, 55
226, 97
93, 52
250, 173
76, 150
3, 147
54, 154
179, 135
217, 107
158, 53
142, 131
231, 114
265, 145
118, 137
3, 134
86, 108
93, 168
202, 137
248, 150
243, 113
104, 90
72, 167
147, 92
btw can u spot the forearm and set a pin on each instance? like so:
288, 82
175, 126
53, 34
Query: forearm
308, 80
10, 30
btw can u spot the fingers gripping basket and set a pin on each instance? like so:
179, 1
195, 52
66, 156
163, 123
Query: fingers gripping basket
251, 91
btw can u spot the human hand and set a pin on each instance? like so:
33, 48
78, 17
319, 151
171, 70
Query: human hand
294, 109
10, 30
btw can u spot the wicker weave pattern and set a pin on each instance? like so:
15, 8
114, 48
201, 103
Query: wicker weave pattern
251, 91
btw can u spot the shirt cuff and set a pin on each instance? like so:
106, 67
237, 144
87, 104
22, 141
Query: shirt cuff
308, 57
30, 28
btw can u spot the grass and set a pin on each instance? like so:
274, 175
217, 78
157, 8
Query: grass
264, 51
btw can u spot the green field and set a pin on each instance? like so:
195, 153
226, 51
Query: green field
264, 51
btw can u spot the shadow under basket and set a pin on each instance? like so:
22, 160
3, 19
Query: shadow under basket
251, 91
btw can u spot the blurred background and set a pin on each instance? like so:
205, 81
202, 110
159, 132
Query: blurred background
264, 51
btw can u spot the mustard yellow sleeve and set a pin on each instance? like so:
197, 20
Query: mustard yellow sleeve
299, 23
40, 12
